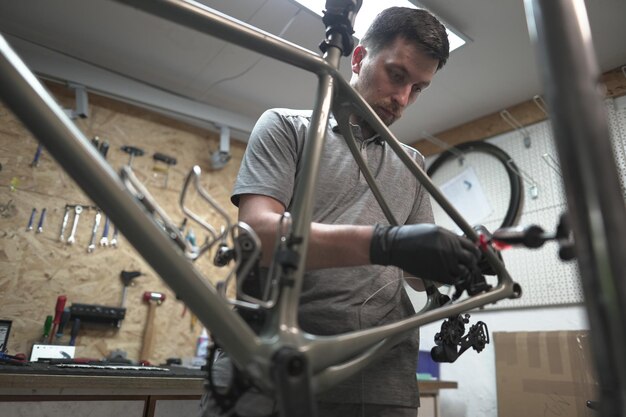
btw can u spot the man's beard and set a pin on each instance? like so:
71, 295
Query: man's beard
387, 113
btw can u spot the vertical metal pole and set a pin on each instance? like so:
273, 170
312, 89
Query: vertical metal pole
302, 209
596, 207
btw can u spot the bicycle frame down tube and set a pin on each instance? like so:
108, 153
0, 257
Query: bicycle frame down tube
40, 113
597, 213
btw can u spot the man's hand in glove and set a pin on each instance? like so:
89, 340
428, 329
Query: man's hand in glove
424, 250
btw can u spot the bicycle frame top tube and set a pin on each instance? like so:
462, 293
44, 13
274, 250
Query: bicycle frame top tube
332, 358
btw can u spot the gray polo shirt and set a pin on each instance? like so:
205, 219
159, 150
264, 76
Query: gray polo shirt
339, 300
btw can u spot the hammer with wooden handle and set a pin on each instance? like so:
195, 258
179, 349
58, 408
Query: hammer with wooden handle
153, 299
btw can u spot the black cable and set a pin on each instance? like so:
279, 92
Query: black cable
515, 181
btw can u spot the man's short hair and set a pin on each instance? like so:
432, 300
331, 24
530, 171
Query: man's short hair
414, 25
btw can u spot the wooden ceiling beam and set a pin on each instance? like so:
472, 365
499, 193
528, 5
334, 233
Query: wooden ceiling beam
526, 113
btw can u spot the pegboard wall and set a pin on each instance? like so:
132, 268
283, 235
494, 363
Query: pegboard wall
544, 278
35, 268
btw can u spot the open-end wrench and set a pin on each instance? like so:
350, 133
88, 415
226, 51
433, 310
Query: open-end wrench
104, 240
94, 231
77, 210
66, 217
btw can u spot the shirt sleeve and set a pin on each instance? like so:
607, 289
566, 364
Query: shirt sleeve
269, 163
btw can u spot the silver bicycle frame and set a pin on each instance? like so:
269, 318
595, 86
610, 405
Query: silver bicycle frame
331, 359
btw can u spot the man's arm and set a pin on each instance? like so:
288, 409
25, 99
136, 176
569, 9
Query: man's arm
329, 245
423, 250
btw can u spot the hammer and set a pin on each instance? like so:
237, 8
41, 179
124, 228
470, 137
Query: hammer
153, 299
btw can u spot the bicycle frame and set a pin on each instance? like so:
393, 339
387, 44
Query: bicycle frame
265, 358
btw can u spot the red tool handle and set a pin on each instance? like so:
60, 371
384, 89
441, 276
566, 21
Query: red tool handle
58, 312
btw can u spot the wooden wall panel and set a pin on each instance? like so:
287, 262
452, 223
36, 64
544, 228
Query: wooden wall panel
36, 268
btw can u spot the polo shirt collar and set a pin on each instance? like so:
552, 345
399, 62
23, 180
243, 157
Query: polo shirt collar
356, 131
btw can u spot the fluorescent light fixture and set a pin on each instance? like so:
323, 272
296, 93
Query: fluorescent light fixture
371, 8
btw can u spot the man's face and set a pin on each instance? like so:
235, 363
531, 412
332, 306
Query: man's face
391, 79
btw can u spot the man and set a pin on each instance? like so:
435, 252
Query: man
348, 284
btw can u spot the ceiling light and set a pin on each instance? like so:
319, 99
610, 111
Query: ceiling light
370, 9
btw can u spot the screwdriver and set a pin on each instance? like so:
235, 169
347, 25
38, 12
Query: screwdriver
65, 318
46, 328
31, 220
58, 312
74, 333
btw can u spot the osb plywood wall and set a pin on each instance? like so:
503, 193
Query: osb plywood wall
35, 268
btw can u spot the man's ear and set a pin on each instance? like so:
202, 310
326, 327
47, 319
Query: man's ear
357, 58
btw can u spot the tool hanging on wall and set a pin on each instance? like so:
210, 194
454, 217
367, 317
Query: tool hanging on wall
114, 238
104, 148
58, 313
101, 146
153, 299
132, 152
104, 240
159, 160
94, 232
66, 217
42, 217
77, 210
74, 332
29, 227
35, 162
46, 329
127, 278
65, 318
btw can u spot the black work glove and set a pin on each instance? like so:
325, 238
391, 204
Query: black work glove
424, 250
484, 265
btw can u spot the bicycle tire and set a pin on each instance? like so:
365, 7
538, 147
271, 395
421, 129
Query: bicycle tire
515, 181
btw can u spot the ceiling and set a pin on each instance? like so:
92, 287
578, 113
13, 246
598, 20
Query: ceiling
496, 70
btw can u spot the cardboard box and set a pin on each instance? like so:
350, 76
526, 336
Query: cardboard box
544, 374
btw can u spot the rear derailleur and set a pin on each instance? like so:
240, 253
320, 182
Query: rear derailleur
450, 340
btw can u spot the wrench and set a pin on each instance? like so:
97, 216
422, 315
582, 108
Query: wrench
41, 220
66, 217
92, 242
104, 240
77, 210
114, 239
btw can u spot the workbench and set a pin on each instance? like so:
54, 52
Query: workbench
44, 391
